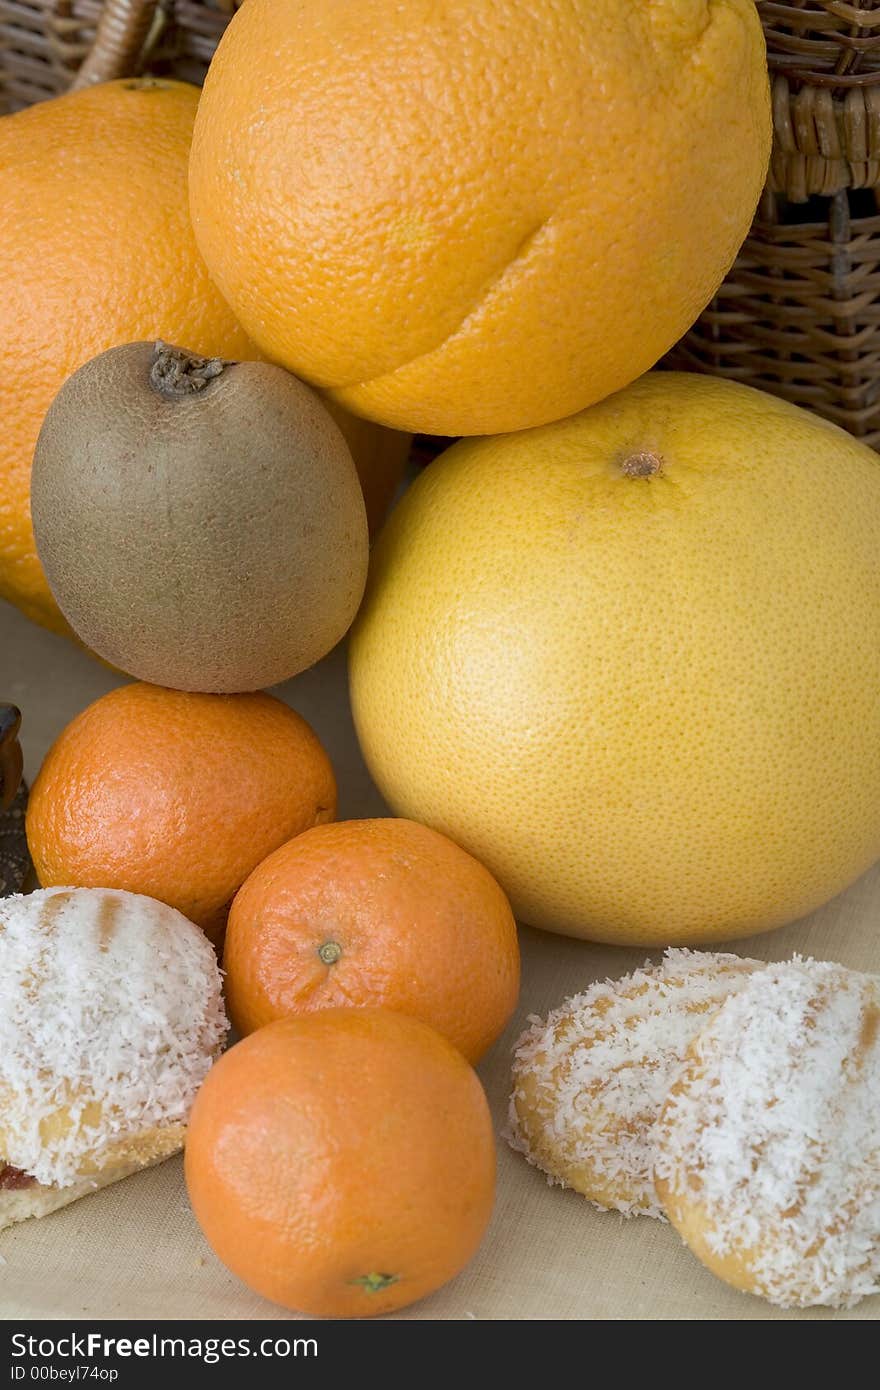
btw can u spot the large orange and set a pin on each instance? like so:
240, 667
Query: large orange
175, 795
466, 217
96, 249
370, 912
342, 1164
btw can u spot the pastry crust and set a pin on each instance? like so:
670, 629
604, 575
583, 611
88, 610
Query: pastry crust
768, 1147
130, 1156
590, 1082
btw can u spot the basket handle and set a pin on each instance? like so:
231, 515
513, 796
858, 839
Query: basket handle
119, 41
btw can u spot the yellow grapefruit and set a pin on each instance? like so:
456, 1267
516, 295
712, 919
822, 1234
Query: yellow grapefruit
631, 662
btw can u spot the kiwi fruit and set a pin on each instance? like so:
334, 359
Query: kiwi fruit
200, 522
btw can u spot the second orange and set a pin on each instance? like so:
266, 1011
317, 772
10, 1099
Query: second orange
374, 912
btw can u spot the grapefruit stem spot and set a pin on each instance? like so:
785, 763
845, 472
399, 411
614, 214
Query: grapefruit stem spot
644, 464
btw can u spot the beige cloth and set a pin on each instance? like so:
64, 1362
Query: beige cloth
134, 1250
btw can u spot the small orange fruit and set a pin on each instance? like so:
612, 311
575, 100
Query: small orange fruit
342, 1164
175, 795
375, 912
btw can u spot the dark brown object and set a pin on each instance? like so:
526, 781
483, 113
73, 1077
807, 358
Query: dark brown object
799, 314
824, 58
15, 861
10, 754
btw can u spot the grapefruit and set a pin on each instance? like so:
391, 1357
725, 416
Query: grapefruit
630, 661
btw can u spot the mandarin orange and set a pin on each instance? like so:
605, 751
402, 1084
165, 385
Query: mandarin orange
374, 912
342, 1164
175, 795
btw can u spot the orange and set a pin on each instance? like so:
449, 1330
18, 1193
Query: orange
174, 795
631, 662
374, 912
380, 457
464, 218
96, 249
342, 1164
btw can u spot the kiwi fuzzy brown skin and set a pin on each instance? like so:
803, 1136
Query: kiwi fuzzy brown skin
200, 523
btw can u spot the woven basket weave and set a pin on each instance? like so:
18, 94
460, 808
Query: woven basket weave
48, 45
824, 59
799, 314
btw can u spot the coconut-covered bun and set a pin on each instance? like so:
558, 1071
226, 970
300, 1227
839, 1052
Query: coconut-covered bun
589, 1083
110, 1018
768, 1148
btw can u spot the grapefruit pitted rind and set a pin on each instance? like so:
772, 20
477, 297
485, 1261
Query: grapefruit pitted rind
647, 704
468, 218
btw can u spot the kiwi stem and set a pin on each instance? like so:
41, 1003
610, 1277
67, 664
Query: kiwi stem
176, 375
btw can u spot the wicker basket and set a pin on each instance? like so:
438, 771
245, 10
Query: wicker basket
799, 314
48, 45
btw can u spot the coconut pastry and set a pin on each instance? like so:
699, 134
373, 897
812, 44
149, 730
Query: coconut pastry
111, 1016
768, 1148
589, 1083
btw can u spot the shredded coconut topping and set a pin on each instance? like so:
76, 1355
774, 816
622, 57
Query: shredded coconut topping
773, 1133
110, 1017
589, 1083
